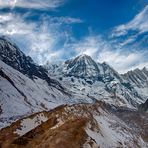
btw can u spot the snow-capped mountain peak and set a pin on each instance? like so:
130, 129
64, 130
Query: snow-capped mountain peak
82, 66
86, 77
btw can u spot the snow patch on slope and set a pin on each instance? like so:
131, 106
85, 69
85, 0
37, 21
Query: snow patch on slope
28, 96
28, 124
112, 133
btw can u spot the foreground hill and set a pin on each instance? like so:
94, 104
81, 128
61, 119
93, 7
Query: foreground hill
82, 125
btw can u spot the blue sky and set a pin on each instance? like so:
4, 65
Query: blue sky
115, 31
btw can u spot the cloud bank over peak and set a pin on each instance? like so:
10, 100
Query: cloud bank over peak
125, 49
102, 50
51, 37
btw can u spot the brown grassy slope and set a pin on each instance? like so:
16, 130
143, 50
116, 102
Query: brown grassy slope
45, 135
65, 127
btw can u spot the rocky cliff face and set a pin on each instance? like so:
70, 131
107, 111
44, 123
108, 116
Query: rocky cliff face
144, 106
13, 56
139, 80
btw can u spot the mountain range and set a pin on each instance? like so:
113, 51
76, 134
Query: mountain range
85, 77
102, 105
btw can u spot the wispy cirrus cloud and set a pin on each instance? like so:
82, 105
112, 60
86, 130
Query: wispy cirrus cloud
12, 24
133, 34
51, 38
37, 39
128, 44
124, 61
102, 50
139, 23
64, 20
33, 4
91, 45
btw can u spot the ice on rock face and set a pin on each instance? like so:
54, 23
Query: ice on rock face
139, 80
86, 78
83, 66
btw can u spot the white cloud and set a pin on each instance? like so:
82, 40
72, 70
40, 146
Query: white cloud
139, 23
128, 53
34, 4
11, 24
38, 40
101, 50
123, 61
65, 20
140, 66
90, 45
87, 46
5, 17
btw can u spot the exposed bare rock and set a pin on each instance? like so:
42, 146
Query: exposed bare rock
144, 106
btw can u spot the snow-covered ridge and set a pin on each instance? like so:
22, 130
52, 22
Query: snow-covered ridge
25, 87
21, 95
138, 77
14, 57
82, 75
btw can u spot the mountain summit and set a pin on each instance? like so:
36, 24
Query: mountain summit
96, 80
83, 66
